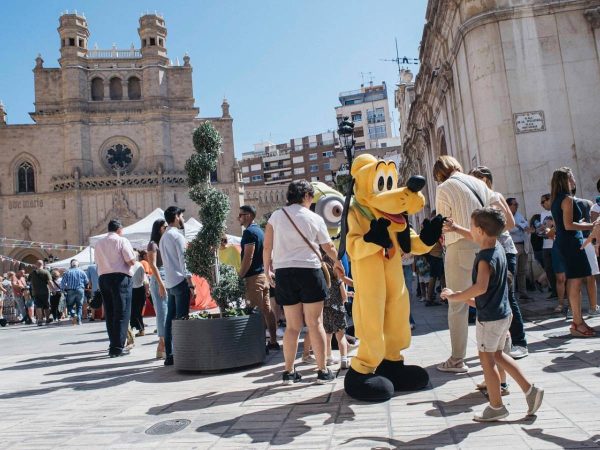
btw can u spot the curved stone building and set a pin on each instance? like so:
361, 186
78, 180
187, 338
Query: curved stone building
513, 85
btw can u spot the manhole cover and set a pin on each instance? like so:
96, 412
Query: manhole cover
168, 426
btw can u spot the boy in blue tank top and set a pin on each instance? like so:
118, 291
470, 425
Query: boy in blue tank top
489, 295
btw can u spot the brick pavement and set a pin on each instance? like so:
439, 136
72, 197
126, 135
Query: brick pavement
58, 389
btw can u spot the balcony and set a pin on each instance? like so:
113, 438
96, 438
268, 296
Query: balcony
114, 53
278, 180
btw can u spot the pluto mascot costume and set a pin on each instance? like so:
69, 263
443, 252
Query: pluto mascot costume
378, 233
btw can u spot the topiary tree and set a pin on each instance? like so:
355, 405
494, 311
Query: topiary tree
202, 252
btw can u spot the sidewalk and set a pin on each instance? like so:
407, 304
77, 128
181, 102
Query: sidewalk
59, 389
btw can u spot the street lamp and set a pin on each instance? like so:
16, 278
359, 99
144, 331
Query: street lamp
346, 135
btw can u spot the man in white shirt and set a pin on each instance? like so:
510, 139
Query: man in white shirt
457, 197
178, 280
546, 223
114, 258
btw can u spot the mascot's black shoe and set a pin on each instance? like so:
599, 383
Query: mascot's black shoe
404, 378
367, 388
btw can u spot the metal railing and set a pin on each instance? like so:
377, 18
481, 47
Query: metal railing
114, 54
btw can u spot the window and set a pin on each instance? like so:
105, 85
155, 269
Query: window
327, 166
72, 42
246, 179
81, 43
25, 178
254, 167
377, 132
134, 88
328, 154
97, 89
152, 41
375, 116
116, 89
213, 177
256, 177
314, 167
119, 157
383, 145
312, 156
298, 159
314, 178
328, 177
245, 169
356, 117
161, 42
299, 171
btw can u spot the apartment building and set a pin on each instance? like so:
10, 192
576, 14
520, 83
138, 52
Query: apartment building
368, 108
308, 157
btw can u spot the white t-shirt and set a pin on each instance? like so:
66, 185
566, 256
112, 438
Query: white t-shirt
595, 208
548, 243
289, 249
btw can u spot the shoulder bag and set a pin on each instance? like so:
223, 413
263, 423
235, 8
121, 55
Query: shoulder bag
323, 265
471, 189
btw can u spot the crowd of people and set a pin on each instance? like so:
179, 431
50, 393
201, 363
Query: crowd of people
483, 266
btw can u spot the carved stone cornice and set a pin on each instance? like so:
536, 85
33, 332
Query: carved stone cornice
68, 182
593, 16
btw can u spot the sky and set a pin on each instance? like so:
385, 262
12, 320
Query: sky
280, 63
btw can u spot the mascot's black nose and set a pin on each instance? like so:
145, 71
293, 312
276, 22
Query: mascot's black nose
416, 183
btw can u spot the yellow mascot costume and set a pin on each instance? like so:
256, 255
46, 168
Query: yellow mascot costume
378, 233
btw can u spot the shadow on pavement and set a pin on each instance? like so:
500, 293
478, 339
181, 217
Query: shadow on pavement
280, 425
454, 407
592, 442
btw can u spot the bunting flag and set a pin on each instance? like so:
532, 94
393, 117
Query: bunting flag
9, 259
20, 243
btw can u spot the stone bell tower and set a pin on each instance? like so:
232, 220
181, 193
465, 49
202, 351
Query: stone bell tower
153, 37
74, 35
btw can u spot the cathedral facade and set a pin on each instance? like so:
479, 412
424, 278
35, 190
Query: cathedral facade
111, 134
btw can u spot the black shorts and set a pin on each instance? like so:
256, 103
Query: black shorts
41, 301
298, 285
436, 266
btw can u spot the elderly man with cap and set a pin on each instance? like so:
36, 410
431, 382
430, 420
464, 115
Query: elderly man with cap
178, 280
115, 258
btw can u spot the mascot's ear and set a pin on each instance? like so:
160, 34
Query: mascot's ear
360, 162
404, 237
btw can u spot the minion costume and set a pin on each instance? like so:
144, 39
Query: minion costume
378, 233
329, 204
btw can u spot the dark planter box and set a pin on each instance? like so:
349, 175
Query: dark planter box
218, 343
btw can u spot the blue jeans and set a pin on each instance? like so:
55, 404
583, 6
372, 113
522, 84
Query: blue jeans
408, 279
178, 306
75, 303
160, 304
517, 329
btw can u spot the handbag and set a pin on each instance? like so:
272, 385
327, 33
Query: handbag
96, 301
323, 265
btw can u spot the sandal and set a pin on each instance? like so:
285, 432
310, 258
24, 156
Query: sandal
582, 330
558, 309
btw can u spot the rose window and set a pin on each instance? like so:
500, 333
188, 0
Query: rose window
119, 157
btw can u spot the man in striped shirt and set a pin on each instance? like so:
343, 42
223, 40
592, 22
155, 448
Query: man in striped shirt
73, 283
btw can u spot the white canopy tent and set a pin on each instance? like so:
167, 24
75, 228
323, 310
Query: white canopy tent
192, 227
137, 233
85, 258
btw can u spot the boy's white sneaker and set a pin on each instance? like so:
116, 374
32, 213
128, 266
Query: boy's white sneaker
534, 399
490, 414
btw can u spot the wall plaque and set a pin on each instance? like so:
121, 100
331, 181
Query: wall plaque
529, 122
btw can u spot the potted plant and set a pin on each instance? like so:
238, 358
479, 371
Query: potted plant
235, 337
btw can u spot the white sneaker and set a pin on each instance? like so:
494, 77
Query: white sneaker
490, 414
518, 352
594, 312
345, 363
534, 400
309, 359
332, 361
